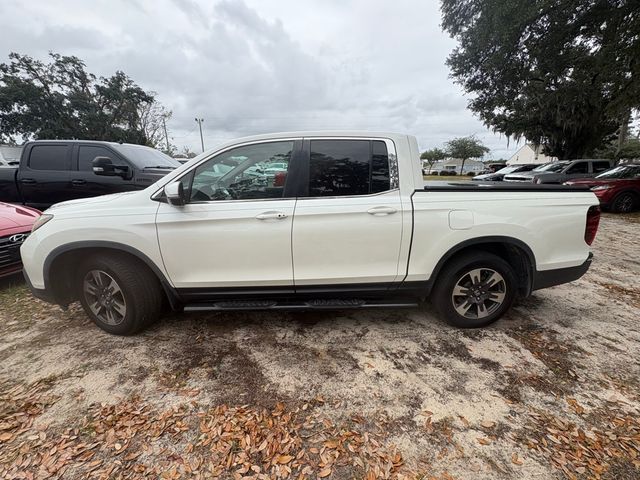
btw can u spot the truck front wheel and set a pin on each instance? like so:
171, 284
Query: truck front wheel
118, 293
474, 290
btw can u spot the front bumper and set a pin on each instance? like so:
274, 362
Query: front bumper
550, 278
40, 293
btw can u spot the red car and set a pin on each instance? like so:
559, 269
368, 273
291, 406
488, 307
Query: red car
15, 226
618, 189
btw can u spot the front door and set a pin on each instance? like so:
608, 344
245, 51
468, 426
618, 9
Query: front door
85, 183
234, 232
347, 228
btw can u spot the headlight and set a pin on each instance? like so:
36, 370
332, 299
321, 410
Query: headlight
42, 219
600, 187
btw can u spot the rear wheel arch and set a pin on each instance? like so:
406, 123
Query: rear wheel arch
515, 252
63, 262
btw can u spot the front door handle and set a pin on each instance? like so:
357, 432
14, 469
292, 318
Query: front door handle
379, 211
27, 181
78, 181
271, 215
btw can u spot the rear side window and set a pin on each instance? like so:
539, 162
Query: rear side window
600, 166
49, 157
87, 153
348, 167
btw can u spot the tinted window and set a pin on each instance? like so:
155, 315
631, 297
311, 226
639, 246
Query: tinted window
580, 167
252, 172
146, 157
348, 167
600, 166
49, 157
87, 153
380, 179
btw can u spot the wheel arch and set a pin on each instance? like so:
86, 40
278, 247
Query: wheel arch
73, 253
514, 251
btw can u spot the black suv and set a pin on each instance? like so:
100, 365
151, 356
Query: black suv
53, 171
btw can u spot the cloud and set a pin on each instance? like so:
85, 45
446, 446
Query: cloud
265, 65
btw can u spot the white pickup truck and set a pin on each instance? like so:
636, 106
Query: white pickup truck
344, 221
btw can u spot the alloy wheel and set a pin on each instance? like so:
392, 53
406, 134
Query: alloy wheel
104, 297
479, 293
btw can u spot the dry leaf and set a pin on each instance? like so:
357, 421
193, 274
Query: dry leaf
324, 473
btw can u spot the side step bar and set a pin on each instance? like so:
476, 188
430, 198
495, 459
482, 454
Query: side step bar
319, 304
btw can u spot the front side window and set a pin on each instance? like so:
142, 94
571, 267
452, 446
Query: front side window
49, 157
580, 167
250, 172
348, 167
87, 153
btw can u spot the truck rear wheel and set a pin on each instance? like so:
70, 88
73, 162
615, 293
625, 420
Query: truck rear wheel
118, 293
474, 290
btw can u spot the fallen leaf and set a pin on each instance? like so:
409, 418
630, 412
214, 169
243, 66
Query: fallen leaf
324, 473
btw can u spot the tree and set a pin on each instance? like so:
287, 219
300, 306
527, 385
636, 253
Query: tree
433, 155
465, 148
153, 118
629, 150
564, 74
61, 99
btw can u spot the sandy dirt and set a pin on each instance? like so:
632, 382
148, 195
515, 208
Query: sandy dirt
493, 403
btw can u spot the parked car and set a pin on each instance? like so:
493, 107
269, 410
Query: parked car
498, 176
15, 226
617, 189
53, 171
560, 172
353, 226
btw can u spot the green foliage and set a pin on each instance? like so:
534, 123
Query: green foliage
61, 99
561, 73
433, 155
465, 148
630, 150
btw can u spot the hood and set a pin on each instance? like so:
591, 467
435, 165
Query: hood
16, 216
488, 176
91, 200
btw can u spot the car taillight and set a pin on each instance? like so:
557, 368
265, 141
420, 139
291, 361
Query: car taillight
593, 220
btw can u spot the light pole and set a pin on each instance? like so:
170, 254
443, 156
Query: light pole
200, 120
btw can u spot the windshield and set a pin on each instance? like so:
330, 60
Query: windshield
621, 171
507, 170
146, 157
551, 167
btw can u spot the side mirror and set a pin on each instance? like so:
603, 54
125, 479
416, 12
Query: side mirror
104, 167
175, 194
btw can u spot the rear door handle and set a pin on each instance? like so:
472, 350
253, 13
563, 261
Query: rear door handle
379, 211
28, 181
78, 181
271, 215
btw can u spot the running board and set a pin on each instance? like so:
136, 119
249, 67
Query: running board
319, 304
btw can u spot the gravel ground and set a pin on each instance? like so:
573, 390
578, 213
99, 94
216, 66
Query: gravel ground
550, 391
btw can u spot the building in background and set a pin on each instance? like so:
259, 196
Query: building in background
529, 153
453, 164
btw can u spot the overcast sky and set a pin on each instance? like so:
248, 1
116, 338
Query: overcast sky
256, 66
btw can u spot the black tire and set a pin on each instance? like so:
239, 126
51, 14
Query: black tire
624, 202
456, 272
139, 291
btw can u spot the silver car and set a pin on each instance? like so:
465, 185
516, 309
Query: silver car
561, 171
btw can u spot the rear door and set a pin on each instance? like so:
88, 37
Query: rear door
347, 227
85, 183
44, 177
